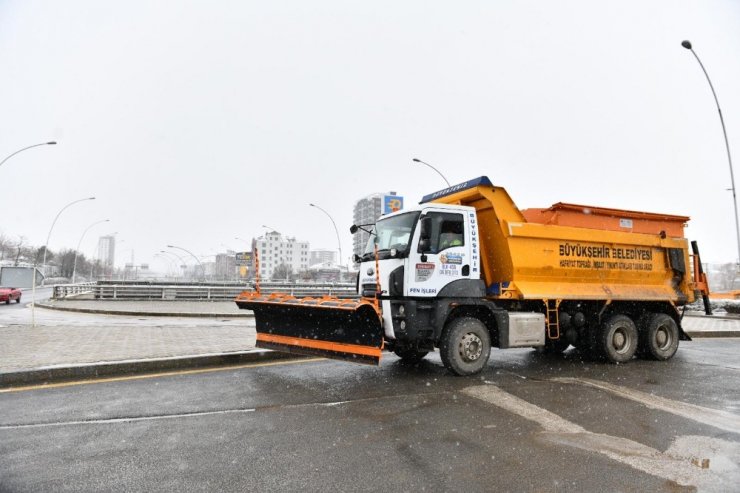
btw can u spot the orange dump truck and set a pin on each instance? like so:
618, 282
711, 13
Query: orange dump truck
467, 270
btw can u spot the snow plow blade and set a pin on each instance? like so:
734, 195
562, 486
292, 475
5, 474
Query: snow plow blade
345, 329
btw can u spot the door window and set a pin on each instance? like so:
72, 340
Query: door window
447, 231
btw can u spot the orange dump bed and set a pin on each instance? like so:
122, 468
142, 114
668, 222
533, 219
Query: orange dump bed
585, 216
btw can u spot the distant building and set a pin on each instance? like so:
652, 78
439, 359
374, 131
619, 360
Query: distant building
322, 256
107, 253
367, 210
325, 272
274, 249
225, 266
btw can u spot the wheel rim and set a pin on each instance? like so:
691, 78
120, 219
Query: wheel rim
663, 338
621, 341
471, 347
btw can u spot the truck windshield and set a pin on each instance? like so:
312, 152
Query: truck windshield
391, 233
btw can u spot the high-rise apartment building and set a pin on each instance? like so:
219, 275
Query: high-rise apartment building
274, 250
107, 252
367, 210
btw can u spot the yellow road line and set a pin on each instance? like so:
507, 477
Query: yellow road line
153, 375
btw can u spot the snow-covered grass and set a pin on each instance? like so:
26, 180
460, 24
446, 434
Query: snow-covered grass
718, 306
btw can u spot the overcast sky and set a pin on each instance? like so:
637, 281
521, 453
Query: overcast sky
197, 122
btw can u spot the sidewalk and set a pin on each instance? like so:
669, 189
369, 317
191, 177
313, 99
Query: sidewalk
150, 308
89, 345
700, 325
108, 345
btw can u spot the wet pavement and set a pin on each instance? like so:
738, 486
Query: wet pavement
529, 422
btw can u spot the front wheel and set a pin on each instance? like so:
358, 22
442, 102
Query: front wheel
18, 300
465, 346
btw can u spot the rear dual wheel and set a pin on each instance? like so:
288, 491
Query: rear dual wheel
658, 336
616, 339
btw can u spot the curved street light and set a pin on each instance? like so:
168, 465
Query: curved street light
339, 243
687, 44
182, 263
435, 169
26, 148
202, 269
46, 245
74, 267
43, 265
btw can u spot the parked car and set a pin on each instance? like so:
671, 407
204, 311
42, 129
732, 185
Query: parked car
8, 294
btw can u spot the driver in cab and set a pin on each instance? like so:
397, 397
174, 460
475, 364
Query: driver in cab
451, 235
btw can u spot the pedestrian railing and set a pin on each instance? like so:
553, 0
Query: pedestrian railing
196, 292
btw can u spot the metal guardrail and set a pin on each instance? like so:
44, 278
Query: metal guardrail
197, 292
65, 290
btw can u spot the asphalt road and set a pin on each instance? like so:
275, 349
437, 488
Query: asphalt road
527, 423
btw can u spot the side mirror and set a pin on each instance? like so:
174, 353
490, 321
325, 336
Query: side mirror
426, 228
356, 258
424, 245
353, 229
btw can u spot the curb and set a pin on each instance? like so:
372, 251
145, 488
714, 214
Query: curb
247, 314
713, 316
132, 367
713, 333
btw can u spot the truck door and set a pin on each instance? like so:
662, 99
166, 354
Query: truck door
447, 257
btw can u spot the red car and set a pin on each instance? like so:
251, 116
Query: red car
8, 294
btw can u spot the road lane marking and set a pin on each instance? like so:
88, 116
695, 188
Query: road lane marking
687, 462
153, 375
704, 415
265, 408
126, 420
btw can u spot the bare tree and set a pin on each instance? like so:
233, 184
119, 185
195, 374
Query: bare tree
66, 260
722, 277
283, 272
6, 246
19, 249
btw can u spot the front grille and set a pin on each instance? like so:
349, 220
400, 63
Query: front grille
369, 290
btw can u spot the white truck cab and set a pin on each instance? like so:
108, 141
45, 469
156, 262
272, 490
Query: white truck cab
421, 254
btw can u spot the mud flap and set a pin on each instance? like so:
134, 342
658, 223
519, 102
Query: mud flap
330, 327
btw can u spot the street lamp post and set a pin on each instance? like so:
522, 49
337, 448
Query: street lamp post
182, 263
202, 269
46, 245
29, 147
687, 44
339, 243
74, 267
43, 265
435, 169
